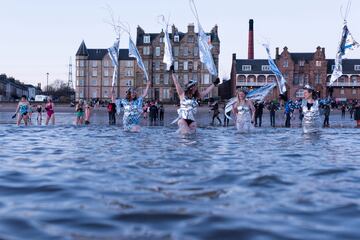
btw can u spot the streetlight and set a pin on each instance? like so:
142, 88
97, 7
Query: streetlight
47, 83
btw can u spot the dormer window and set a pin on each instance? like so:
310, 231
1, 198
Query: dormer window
246, 67
318, 63
357, 67
301, 63
265, 68
176, 38
147, 39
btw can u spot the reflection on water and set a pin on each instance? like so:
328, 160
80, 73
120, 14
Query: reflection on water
98, 182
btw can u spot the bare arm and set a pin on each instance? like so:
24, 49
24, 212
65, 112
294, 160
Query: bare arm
251, 105
207, 90
179, 90
17, 108
146, 89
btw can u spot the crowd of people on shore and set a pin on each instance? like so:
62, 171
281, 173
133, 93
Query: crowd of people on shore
247, 114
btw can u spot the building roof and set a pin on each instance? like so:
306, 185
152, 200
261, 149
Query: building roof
124, 54
347, 64
97, 54
256, 65
82, 51
296, 57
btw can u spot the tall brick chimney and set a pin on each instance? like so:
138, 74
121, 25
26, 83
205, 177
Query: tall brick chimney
251, 40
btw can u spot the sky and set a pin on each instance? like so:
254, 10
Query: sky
40, 36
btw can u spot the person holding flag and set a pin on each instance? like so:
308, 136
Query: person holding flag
189, 103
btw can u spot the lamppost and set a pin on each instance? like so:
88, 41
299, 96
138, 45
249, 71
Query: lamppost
47, 83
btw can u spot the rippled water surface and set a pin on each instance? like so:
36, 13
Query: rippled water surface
97, 182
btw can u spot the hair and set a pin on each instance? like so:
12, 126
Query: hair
188, 93
129, 92
23, 96
312, 92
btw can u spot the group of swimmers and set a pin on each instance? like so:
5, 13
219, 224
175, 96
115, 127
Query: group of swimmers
24, 111
132, 105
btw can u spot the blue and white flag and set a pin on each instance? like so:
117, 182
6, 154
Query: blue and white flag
114, 56
133, 52
347, 43
260, 93
205, 51
279, 77
168, 55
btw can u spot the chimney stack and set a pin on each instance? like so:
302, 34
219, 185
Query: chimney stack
251, 40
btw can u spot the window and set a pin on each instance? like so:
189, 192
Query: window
357, 67
206, 79
176, 38
185, 51
286, 63
78, 63
354, 91
157, 65
296, 79
176, 66
342, 91
176, 51
190, 39
94, 94
106, 63
166, 93
161, 39
354, 78
271, 78
157, 78
301, 63
128, 83
246, 67
81, 73
82, 63
261, 78
129, 73
195, 76
81, 94
94, 73
146, 39
94, 64
81, 82
185, 66
166, 78
106, 82
146, 50
300, 93
196, 51
129, 63
265, 68
106, 93
146, 63
106, 72
195, 66
93, 82
157, 51
318, 63
186, 78
318, 78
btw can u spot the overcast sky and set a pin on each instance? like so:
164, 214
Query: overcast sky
39, 36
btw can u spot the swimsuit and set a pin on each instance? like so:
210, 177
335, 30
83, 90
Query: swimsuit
187, 110
23, 109
311, 120
243, 119
132, 112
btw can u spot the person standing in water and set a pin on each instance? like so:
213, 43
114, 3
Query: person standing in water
50, 113
244, 112
79, 109
216, 113
112, 110
22, 111
39, 114
357, 114
310, 109
326, 115
189, 103
132, 105
87, 105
